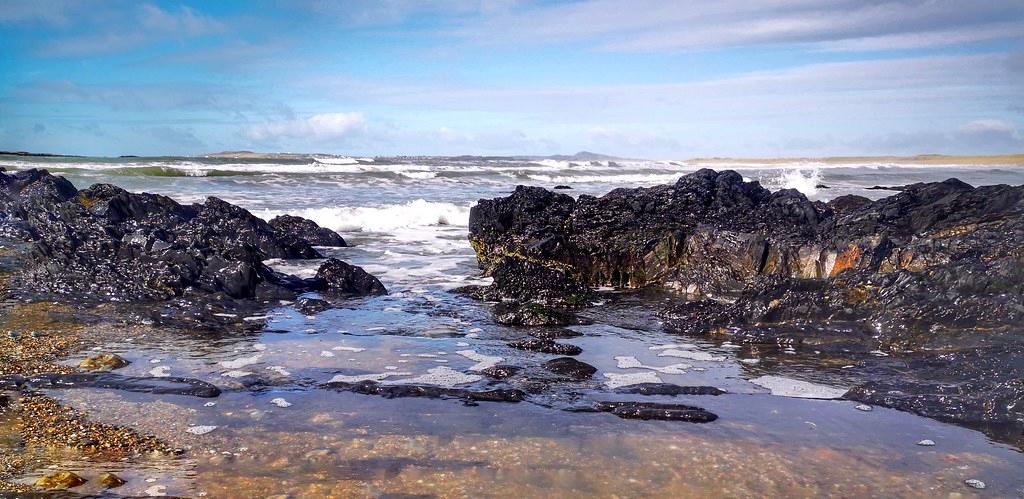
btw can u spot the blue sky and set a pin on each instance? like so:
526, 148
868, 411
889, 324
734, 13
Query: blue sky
641, 78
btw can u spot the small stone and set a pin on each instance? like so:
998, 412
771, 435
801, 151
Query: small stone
110, 480
103, 362
863, 407
280, 402
974, 483
200, 430
60, 480
13, 335
927, 443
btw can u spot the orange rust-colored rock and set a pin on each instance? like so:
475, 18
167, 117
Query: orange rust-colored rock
847, 259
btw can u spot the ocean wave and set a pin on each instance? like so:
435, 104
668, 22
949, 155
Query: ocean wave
386, 218
805, 180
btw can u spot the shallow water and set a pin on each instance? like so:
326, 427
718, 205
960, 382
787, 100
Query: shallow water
406, 222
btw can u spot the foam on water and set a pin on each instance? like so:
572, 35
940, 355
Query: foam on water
786, 387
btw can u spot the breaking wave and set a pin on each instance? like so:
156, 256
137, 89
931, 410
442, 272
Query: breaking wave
385, 218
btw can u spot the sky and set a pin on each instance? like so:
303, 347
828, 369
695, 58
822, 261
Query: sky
640, 78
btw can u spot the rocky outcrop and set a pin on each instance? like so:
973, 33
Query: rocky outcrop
932, 277
105, 243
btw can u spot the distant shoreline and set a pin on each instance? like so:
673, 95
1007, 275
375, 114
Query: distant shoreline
920, 159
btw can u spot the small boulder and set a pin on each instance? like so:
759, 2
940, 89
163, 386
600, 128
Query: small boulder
110, 481
336, 275
292, 227
501, 371
570, 367
60, 480
103, 362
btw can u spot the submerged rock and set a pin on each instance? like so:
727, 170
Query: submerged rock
103, 362
428, 391
156, 385
60, 480
110, 481
656, 411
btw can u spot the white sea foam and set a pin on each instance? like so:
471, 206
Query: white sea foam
482, 361
616, 380
630, 362
441, 376
785, 387
805, 180
686, 354
341, 378
241, 362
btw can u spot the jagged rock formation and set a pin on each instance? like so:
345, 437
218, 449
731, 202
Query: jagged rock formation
935, 270
105, 243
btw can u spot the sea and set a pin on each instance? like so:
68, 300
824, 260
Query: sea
781, 430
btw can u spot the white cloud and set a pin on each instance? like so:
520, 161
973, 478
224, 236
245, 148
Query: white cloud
655, 25
142, 26
316, 127
989, 126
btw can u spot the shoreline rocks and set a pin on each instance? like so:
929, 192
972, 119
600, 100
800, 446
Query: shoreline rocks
104, 243
932, 276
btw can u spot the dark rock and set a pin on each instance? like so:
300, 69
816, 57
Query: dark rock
821, 186
158, 386
847, 204
105, 243
5, 400
530, 314
656, 411
668, 389
312, 306
501, 371
300, 229
562, 187
338, 276
427, 391
936, 269
546, 346
570, 367
554, 333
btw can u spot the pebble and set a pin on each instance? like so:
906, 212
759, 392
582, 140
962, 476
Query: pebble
974, 483
927, 443
200, 430
863, 407
280, 402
